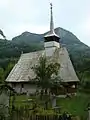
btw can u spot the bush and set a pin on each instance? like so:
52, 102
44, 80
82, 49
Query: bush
85, 86
4, 113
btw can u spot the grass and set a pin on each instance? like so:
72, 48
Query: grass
75, 105
22, 100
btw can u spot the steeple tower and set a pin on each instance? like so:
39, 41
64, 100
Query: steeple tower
51, 38
51, 22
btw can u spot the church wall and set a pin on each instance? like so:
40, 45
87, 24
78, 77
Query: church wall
50, 51
29, 88
17, 88
51, 44
24, 87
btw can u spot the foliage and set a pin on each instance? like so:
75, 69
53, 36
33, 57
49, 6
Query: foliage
29, 42
8, 69
66, 104
5, 102
3, 112
85, 86
3, 106
45, 71
2, 74
70, 104
1, 33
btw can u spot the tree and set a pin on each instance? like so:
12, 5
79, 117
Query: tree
4, 72
1, 75
5, 99
1, 33
46, 71
8, 69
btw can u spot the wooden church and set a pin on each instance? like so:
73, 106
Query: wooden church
20, 78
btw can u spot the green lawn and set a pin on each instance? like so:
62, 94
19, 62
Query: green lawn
21, 100
75, 105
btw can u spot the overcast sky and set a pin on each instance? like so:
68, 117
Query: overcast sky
17, 16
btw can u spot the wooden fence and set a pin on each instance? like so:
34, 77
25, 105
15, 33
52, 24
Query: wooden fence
18, 115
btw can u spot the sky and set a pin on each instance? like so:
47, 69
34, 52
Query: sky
18, 16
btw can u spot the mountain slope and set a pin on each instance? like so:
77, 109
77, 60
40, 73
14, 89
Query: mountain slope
67, 39
28, 42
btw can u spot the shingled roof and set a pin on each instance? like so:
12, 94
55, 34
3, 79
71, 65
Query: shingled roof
22, 71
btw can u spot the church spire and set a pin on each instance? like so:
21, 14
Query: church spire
51, 22
51, 42
51, 35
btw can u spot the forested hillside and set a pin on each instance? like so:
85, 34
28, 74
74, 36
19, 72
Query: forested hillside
79, 53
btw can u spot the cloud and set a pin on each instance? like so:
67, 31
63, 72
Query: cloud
20, 28
82, 30
17, 16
